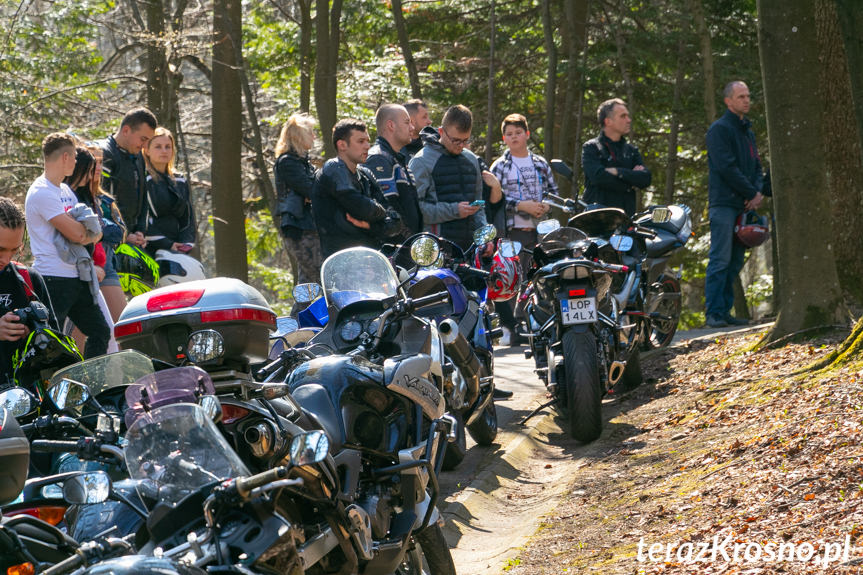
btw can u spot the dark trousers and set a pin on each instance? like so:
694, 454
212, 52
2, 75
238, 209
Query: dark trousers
71, 298
724, 262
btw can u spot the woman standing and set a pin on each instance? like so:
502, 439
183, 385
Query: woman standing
294, 179
171, 218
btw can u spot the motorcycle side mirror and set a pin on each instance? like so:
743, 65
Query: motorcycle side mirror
305, 293
310, 447
660, 215
18, 401
70, 396
484, 234
212, 407
87, 488
204, 346
621, 243
547, 226
425, 251
561, 168
509, 249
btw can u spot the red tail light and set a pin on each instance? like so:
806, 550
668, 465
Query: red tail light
52, 514
577, 292
232, 413
128, 329
239, 314
174, 299
21, 569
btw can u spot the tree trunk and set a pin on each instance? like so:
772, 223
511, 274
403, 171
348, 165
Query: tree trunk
841, 151
161, 82
551, 79
575, 12
489, 132
707, 70
326, 68
674, 132
305, 55
405, 43
228, 211
788, 47
851, 20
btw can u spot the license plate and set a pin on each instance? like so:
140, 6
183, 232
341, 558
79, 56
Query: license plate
581, 310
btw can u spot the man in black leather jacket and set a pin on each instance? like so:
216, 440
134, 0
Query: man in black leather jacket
613, 168
347, 202
123, 171
390, 167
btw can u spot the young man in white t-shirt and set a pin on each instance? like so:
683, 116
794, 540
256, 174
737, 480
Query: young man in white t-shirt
526, 178
48, 200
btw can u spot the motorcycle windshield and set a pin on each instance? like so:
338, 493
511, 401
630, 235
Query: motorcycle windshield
176, 385
176, 450
561, 238
357, 274
106, 371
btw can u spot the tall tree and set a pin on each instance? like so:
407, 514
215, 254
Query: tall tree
551, 81
327, 20
407, 53
788, 46
228, 214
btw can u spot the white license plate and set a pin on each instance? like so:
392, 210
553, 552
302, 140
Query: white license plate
581, 310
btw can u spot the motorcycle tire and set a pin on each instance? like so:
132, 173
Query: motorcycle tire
484, 429
659, 333
456, 450
632, 376
430, 555
583, 395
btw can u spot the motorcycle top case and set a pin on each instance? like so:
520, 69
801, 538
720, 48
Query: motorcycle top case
158, 323
14, 457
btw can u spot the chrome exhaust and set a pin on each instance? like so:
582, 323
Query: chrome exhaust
615, 372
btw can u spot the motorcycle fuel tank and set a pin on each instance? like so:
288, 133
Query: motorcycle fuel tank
456, 290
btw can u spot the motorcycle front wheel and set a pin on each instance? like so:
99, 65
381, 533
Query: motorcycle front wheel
660, 332
429, 555
583, 396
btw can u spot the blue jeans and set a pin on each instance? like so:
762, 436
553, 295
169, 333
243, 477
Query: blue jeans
724, 262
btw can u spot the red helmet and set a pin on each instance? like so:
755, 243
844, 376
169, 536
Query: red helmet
751, 229
505, 276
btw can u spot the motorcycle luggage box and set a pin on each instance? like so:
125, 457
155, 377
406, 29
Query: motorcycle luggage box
14, 457
158, 323
674, 224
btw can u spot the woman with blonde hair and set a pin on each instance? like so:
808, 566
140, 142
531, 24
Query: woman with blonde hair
171, 218
294, 179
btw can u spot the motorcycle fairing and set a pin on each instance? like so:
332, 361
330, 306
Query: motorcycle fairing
409, 375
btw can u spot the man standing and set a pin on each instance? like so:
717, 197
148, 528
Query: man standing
19, 286
123, 171
47, 202
735, 185
613, 168
389, 166
526, 178
448, 179
347, 203
419, 114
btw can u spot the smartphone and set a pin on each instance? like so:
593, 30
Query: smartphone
185, 248
479, 203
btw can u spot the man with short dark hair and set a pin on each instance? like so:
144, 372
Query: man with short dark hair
419, 114
123, 172
47, 203
613, 168
735, 184
389, 165
347, 203
19, 285
449, 180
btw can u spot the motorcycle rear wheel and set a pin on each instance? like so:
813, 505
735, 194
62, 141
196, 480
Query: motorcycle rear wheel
430, 555
659, 333
484, 429
583, 396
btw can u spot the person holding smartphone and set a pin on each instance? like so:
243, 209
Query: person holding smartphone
170, 217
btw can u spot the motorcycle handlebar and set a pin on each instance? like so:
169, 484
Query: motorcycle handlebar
642, 231
65, 566
54, 446
245, 485
470, 270
428, 300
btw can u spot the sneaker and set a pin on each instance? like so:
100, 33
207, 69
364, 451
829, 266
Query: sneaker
713, 321
731, 320
506, 338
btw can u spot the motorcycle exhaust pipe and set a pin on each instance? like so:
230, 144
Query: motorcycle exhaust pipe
459, 351
261, 439
615, 372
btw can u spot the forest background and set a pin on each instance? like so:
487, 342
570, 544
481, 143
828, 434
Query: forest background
224, 75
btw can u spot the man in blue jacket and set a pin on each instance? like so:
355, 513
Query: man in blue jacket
736, 181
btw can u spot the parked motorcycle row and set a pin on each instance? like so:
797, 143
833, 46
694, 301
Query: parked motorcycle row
226, 440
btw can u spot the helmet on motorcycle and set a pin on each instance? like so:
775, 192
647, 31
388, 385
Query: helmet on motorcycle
177, 268
751, 229
505, 276
139, 273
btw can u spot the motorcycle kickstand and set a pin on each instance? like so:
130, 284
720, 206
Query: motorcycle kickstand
536, 411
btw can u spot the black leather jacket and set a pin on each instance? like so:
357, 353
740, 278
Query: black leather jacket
124, 178
171, 218
295, 178
397, 184
600, 186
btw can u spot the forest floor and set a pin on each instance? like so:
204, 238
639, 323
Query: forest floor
723, 461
